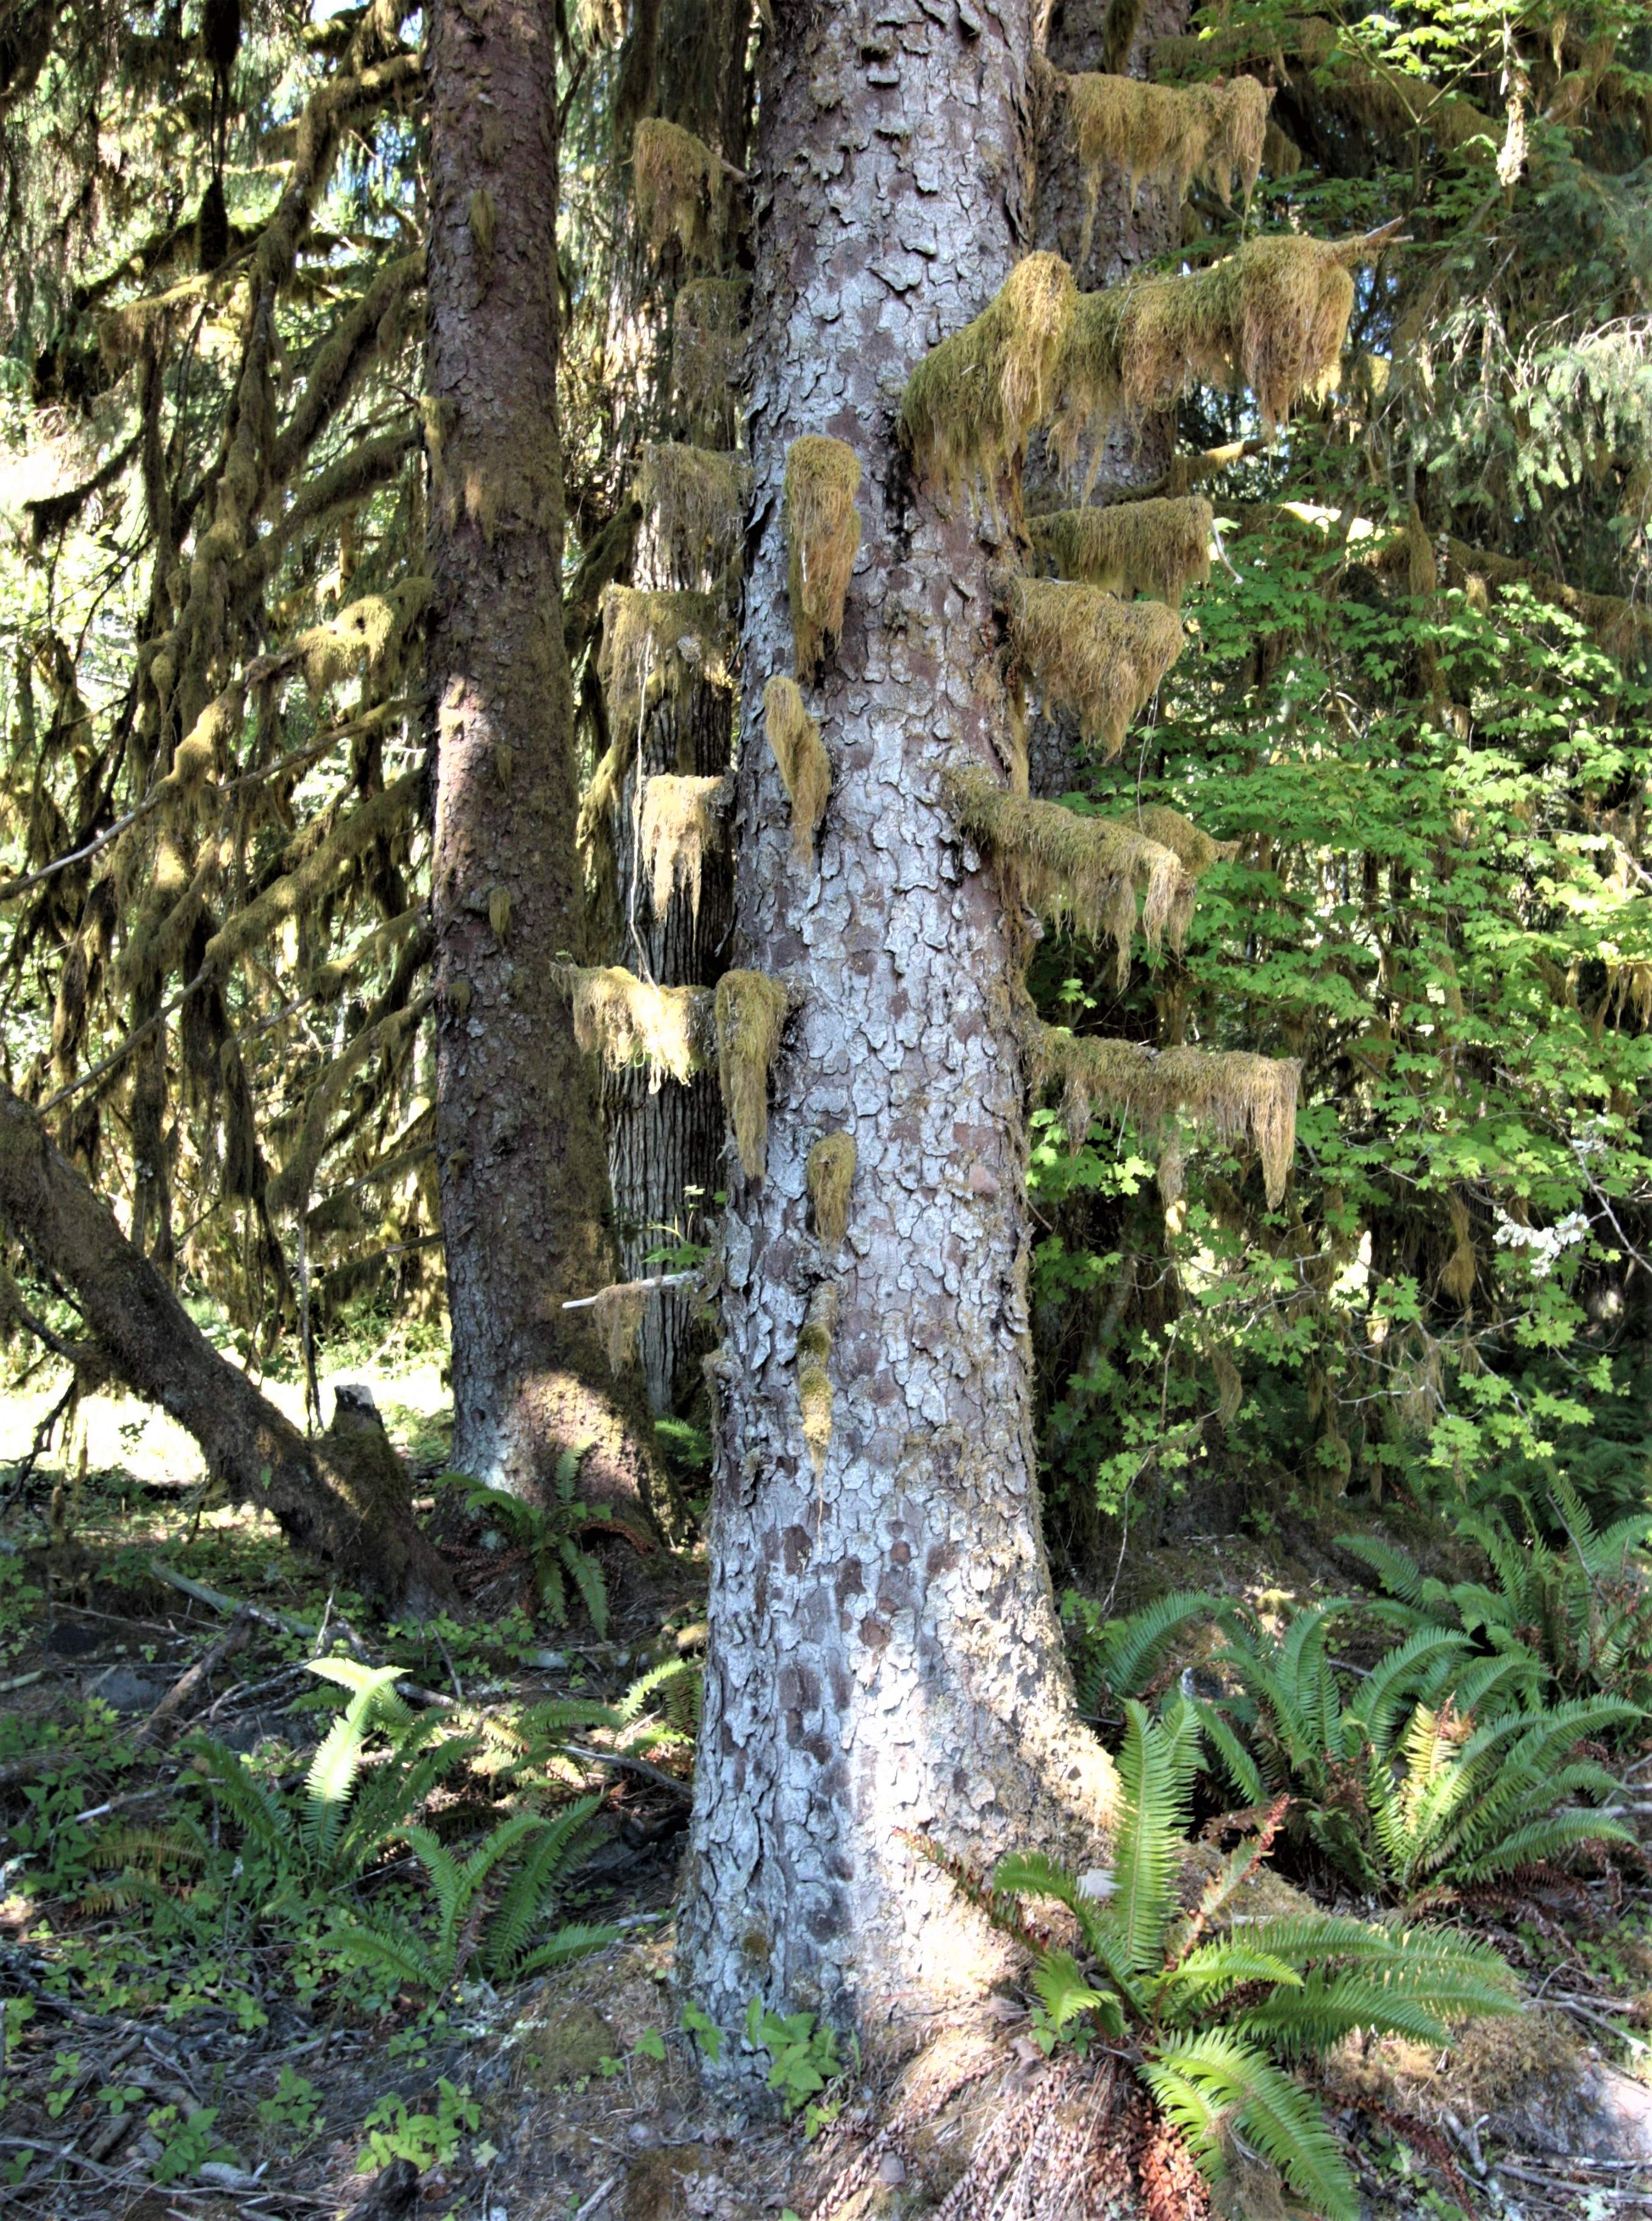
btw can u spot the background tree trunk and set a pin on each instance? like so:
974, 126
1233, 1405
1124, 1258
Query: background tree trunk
353, 1512
1123, 238
524, 1186
885, 1654
685, 62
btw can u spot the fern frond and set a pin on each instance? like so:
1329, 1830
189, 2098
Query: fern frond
1065, 1994
396, 1952
1397, 1570
1223, 1962
1202, 2078
589, 1581
1244, 1774
553, 1717
570, 1942
1029, 1873
520, 1519
1156, 1773
1128, 1650
1550, 1841
668, 1681
391, 1794
259, 1815
557, 1849
1400, 1672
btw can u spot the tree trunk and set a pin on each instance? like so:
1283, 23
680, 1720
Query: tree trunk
663, 1141
885, 1654
1124, 237
353, 1512
524, 1183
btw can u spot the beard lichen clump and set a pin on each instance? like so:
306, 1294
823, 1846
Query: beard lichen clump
971, 402
618, 1313
814, 1380
695, 498
804, 766
751, 1015
831, 1176
822, 537
653, 642
1238, 1096
628, 1021
1159, 546
682, 822
1272, 316
1166, 136
1088, 869
1195, 847
1196, 852
1090, 653
678, 185
707, 343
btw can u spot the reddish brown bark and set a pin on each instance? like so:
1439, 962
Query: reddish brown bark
524, 1183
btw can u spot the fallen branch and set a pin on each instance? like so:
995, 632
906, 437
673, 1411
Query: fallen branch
235, 1637
639, 1766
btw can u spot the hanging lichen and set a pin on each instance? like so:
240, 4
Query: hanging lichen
1391, 102
813, 1376
628, 1021
1458, 1274
683, 821
751, 1014
1195, 850
618, 1314
1157, 547
804, 766
1089, 870
706, 347
696, 500
1090, 653
1619, 629
830, 1177
317, 860
1166, 136
677, 182
971, 402
1273, 316
823, 536
1281, 156
1237, 1096
368, 634
655, 643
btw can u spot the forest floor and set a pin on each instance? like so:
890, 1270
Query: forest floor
184, 2041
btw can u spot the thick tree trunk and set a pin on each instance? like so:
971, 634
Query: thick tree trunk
885, 1654
354, 1512
524, 1183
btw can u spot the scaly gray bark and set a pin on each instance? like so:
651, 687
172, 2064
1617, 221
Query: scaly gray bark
884, 1654
524, 1185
